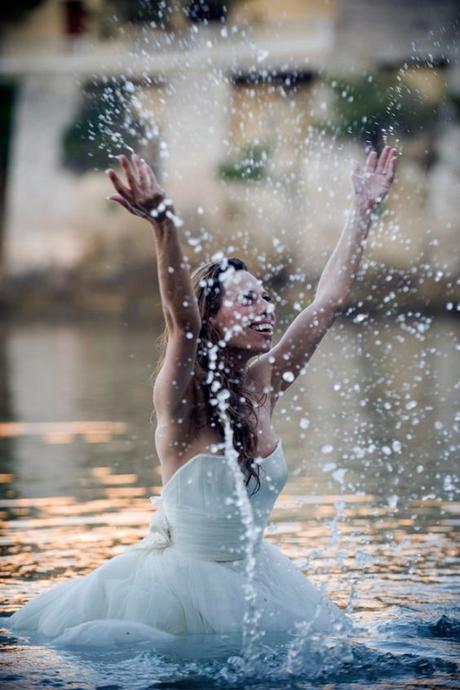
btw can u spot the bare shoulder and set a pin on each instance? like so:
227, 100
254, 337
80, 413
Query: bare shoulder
180, 435
171, 443
174, 430
173, 383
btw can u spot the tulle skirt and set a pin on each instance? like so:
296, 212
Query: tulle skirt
154, 594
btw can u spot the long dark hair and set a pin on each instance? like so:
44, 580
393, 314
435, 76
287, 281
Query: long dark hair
240, 406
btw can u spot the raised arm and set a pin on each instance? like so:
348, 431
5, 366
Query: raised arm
141, 195
288, 357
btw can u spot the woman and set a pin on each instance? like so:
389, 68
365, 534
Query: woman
188, 575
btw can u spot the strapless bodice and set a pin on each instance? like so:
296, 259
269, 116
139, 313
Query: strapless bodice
198, 511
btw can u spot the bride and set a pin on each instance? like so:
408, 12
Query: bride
188, 574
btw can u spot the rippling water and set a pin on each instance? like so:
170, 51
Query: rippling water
370, 512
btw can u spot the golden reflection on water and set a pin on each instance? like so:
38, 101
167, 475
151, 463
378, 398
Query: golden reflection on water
68, 429
76, 493
62, 433
50, 539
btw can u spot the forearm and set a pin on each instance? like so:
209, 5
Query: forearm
337, 277
175, 283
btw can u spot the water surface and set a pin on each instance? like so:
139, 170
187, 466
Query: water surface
370, 513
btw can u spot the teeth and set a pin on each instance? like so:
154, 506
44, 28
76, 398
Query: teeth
264, 328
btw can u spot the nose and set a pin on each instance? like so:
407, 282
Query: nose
269, 307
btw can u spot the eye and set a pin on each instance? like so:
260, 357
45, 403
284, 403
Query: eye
269, 298
246, 298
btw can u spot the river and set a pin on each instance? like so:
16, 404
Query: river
370, 513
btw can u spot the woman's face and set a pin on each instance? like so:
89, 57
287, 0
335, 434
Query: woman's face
247, 313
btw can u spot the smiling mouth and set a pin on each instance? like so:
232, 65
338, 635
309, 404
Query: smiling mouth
264, 329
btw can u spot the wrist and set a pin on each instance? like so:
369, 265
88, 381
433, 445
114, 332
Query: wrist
362, 203
163, 215
362, 212
165, 232
162, 228
358, 225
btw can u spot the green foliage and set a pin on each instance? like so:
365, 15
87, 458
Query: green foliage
377, 104
140, 11
455, 102
7, 98
13, 12
103, 127
161, 12
250, 164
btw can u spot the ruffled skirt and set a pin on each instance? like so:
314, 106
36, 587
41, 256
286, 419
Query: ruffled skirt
154, 593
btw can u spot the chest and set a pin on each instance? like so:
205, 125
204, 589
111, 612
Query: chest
190, 431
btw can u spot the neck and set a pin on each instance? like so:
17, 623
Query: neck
237, 360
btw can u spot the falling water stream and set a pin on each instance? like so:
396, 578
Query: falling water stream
251, 632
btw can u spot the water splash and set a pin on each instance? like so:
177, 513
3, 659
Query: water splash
251, 629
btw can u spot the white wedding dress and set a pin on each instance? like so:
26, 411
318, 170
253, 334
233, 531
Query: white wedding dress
187, 575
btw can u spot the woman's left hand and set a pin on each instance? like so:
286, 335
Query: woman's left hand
373, 184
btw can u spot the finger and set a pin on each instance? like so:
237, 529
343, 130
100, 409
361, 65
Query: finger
390, 172
371, 161
125, 164
117, 183
152, 174
150, 181
120, 200
153, 179
138, 166
356, 174
357, 177
391, 160
383, 159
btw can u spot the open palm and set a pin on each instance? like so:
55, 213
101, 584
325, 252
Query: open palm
372, 184
141, 194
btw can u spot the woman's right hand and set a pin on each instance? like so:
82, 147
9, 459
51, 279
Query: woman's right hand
141, 195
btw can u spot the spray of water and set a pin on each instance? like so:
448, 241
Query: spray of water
384, 426
252, 633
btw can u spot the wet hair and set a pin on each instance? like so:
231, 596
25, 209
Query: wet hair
240, 406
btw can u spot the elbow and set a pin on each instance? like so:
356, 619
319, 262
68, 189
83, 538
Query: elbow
331, 303
339, 303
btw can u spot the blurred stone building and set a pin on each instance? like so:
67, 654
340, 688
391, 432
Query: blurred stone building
251, 114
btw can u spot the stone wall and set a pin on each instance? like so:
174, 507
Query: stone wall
60, 228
